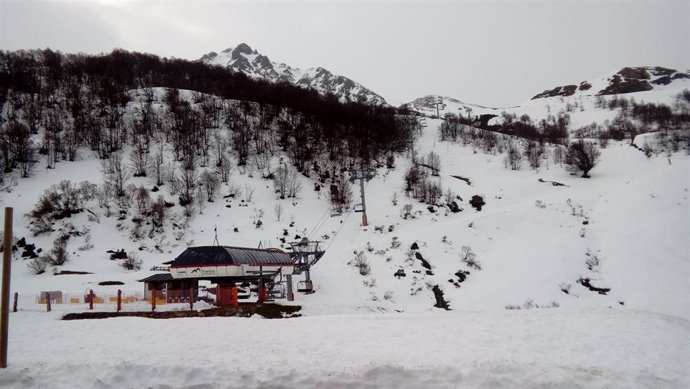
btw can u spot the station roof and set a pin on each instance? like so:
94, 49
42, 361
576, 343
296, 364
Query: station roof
158, 278
226, 255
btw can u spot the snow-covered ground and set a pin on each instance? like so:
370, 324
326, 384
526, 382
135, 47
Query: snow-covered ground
592, 348
532, 239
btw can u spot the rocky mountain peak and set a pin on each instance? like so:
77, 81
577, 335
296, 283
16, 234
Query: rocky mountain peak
243, 48
243, 59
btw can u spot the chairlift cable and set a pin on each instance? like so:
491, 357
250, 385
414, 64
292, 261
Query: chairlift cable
318, 222
320, 225
338, 232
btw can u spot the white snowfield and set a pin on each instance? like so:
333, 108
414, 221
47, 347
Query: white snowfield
580, 348
531, 238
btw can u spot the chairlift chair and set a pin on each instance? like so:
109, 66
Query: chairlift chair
278, 291
305, 286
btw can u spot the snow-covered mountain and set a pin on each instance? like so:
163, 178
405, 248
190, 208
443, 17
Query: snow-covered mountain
626, 80
244, 59
643, 84
438, 106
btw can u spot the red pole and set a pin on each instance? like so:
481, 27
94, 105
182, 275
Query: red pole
233, 297
14, 306
262, 293
153, 300
119, 300
91, 299
191, 299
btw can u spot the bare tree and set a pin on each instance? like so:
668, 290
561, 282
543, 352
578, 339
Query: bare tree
210, 182
188, 178
433, 160
223, 165
263, 164
582, 156
248, 192
514, 157
143, 200
17, 148
157, 164
115, 174
139, 158
201, 197
278, 211
534, 152
294, 184
341, 194
558, 154
280, 180
158, 212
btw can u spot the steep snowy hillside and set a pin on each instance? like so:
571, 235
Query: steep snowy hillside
244, 59
522, 312
535, 244
548, 278
532, 239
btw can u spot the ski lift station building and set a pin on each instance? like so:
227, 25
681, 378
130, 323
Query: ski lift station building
226, 267
232, 264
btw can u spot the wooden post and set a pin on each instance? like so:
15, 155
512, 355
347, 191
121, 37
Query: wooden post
91, 299
191, 299
48, 308
153, 299
14, 306
119, 300
6, 263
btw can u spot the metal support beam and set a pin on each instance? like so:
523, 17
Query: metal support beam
290, 294
361, 175
364, 202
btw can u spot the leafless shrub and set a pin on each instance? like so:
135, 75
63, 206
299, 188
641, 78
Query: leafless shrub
470, 258
278, 211
38, 265
592, 261
362, 263
132, 262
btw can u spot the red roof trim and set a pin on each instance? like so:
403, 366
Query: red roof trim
234, 264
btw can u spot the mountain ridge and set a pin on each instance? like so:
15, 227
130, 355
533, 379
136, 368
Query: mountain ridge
243, 59
646, 81
626, 80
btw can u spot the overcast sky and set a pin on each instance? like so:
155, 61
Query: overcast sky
495, 53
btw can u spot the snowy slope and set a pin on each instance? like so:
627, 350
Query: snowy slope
533, 241
244, 59
528, 253
626, 80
